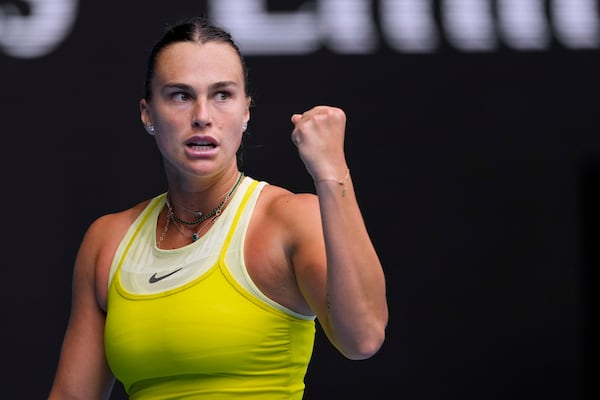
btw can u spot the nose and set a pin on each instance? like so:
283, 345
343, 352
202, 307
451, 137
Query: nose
200, 116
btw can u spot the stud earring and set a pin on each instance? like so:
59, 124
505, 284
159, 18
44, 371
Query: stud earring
150, 129
244, 127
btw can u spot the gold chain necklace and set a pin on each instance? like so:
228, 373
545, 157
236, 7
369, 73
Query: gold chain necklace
216, 212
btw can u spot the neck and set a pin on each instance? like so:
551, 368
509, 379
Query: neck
193, 207
201, 220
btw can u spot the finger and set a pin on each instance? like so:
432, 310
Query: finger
295, 118
296, 140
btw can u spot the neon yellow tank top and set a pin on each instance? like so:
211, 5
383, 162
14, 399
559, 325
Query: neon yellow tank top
189, 323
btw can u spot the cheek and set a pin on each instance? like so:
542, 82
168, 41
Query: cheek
239, 136
171, 126
175, 118
162, 142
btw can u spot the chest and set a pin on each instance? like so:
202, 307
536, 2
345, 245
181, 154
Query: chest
206, 330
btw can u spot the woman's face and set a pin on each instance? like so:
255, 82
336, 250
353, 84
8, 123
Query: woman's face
198, 108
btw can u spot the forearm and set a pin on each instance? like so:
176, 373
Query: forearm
356, 293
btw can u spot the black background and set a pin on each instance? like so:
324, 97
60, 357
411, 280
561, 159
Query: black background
477, 174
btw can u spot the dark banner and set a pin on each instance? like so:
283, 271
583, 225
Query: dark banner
473, 138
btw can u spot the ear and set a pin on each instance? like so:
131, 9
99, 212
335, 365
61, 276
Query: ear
247, 113
145, 113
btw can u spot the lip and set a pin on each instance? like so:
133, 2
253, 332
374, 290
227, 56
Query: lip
201, 145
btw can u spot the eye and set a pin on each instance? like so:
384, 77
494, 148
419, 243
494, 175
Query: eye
222, 96
180, 96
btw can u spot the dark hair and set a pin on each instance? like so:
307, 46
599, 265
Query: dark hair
194, 29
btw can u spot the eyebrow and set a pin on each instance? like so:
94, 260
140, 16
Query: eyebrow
222, 84
214, 86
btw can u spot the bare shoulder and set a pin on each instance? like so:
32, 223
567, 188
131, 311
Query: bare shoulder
114, 224
295, 216
288, 206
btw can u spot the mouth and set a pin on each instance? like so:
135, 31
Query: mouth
200, 144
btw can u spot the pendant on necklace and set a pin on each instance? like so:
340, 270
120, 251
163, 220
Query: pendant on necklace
195, 236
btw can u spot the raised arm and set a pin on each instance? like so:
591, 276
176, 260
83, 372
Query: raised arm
350, 300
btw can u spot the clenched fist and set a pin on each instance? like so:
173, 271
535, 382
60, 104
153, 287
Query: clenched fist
319, 136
